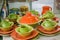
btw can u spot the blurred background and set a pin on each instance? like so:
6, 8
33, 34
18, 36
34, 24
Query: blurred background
35, 4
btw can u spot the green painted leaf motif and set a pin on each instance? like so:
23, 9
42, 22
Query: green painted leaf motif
12, 16
48, 14
34, 12
49, 23
6, 24
23, 29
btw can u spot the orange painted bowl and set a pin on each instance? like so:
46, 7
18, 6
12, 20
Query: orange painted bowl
26, 22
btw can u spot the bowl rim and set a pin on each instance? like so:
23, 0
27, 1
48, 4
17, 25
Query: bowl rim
24, 33
10, 25
52, 26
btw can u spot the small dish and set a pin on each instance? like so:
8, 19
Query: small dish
7, 32
19, 37
41, 29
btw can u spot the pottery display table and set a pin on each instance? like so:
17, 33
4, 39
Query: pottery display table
57, 37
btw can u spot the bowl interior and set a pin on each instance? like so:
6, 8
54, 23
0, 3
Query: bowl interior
18, 30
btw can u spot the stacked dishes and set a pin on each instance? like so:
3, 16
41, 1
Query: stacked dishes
6, 27
30, 26
24, 32
49, 25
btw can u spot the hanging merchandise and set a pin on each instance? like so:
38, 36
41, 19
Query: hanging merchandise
5, 9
